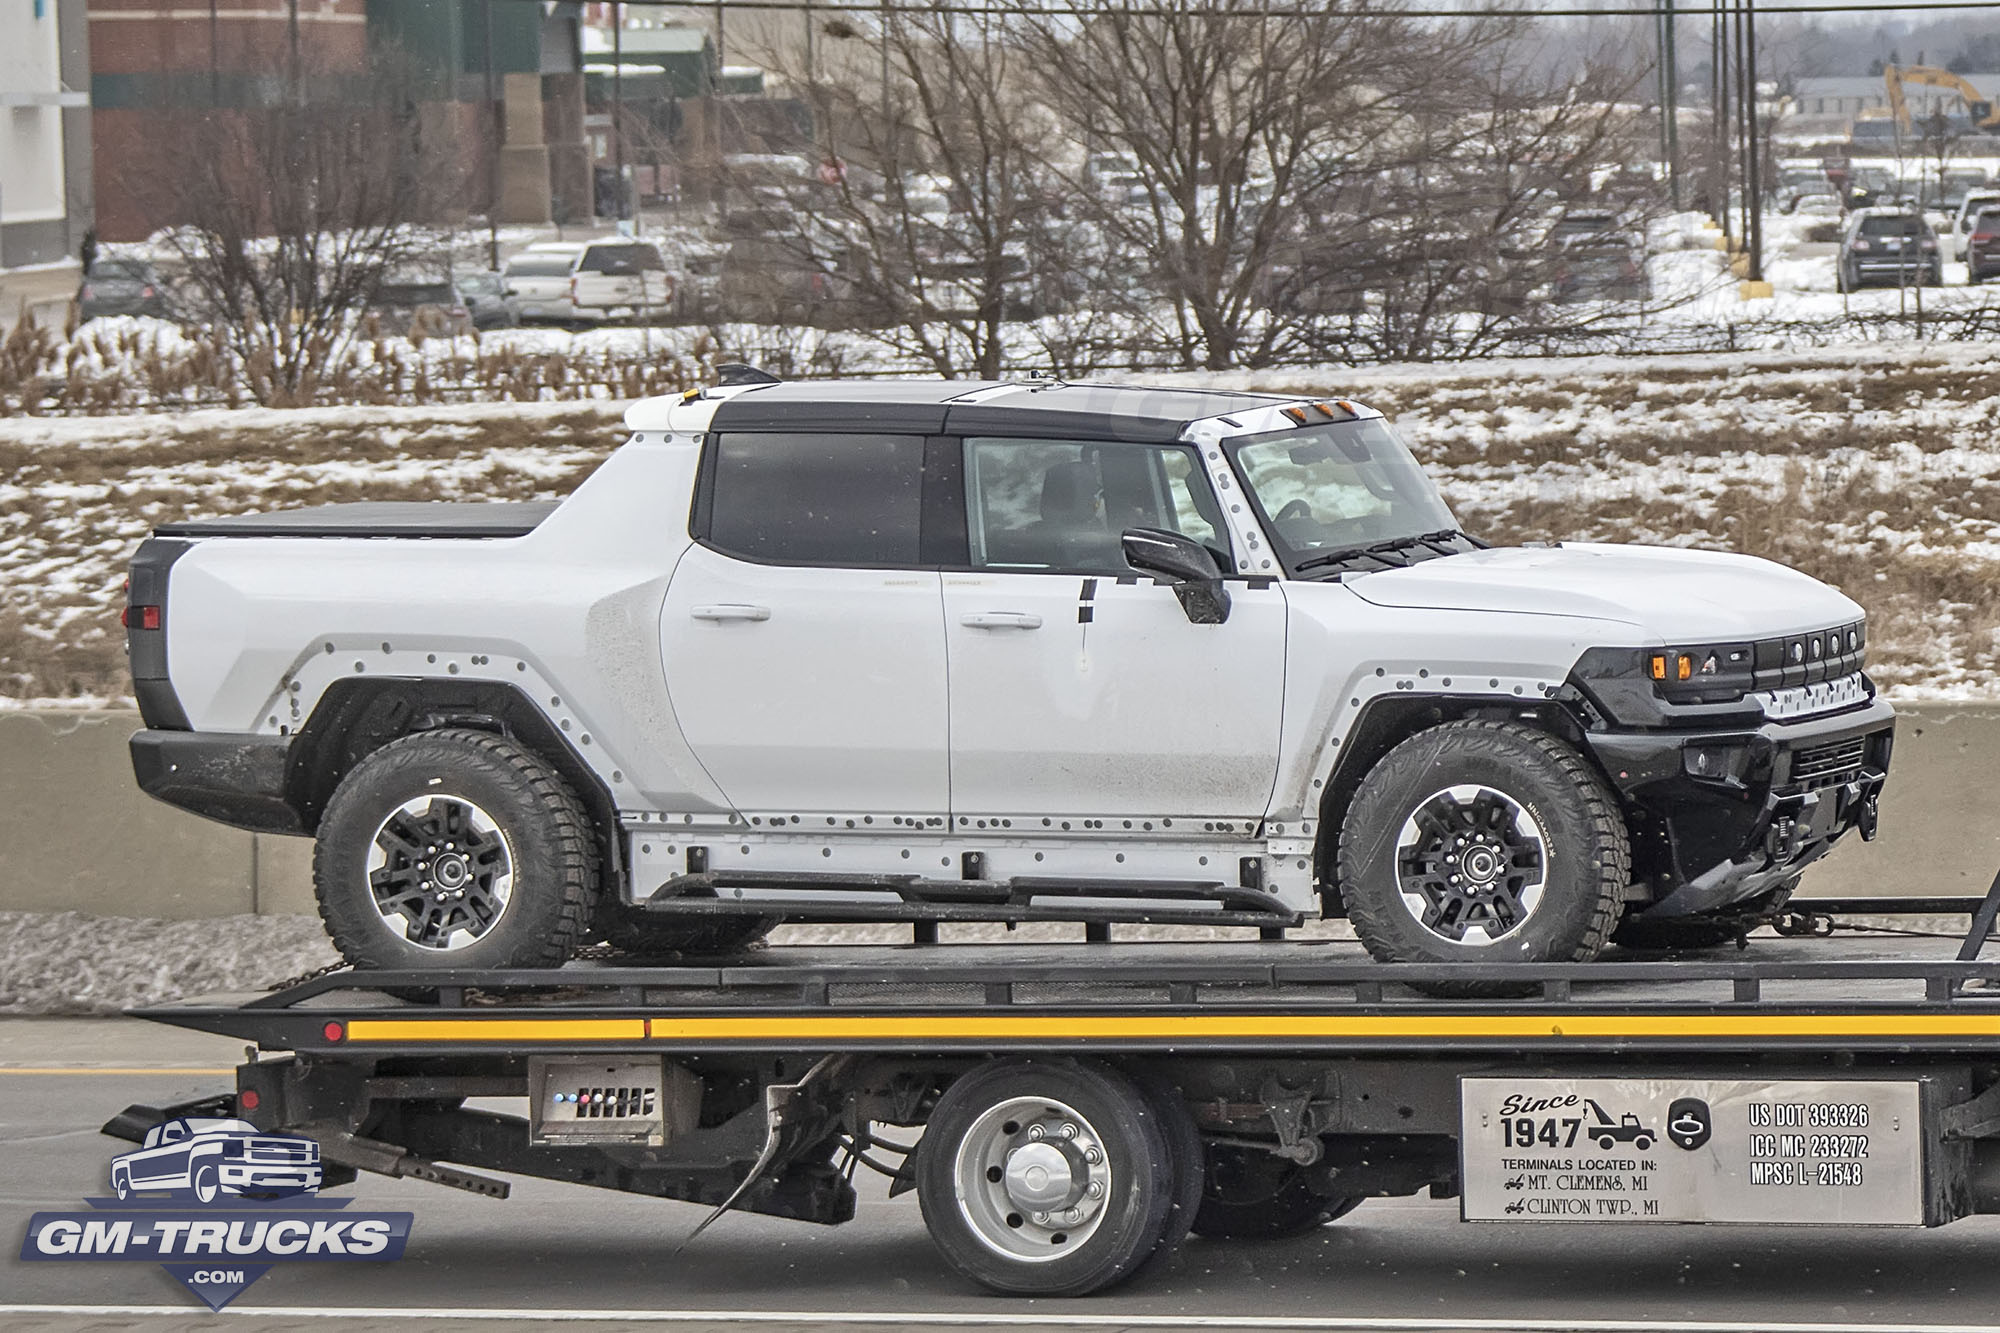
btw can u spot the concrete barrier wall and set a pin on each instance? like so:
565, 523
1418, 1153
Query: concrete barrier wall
77, 834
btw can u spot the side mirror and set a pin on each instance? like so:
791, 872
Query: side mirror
1185, 564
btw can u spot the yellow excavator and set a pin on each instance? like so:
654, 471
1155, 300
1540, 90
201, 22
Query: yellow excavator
1979, 110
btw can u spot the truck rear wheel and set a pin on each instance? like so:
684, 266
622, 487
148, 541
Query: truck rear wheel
1253, 1195
453, 849
1483, 842
1044, 1178
659, 934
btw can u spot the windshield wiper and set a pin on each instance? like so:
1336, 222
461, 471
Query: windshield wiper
1381, 551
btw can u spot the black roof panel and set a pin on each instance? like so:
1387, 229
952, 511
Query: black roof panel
904, 406
1046, 411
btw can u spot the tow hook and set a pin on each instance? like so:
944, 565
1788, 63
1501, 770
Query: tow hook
1870, 812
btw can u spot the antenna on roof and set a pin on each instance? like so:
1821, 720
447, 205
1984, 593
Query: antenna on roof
734, 375
1044, 379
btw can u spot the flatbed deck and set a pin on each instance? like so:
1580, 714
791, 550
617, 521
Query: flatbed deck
1864, 993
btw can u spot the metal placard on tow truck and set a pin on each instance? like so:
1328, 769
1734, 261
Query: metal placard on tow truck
1847, 1151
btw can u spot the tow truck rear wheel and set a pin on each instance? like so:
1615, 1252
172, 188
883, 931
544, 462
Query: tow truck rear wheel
1253, 1195
1046, 1178
454, 849
1483, 842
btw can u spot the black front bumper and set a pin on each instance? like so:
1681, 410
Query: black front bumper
238, 780
1719, 817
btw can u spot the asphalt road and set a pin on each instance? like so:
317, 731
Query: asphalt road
561, 1252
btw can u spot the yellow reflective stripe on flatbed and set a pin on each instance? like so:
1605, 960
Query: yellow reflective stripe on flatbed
496, 1029
1165, 1027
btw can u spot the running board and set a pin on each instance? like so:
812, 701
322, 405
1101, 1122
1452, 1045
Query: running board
807, 895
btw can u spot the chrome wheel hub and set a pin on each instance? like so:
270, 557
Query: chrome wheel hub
1032, 1179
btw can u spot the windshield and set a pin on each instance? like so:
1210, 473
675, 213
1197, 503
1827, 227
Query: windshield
1344, 484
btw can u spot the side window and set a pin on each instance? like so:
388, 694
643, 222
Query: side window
853, 500
1064, 505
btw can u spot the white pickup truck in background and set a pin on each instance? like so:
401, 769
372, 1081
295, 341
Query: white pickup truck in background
571, 282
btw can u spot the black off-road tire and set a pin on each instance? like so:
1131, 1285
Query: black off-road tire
1588, 856
1252, 1195
548, 838
1137, 1206
663, 935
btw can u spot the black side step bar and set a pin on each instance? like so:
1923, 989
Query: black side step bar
1210, 902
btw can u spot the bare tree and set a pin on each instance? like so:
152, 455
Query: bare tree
290, 215
1234, 124
931, 219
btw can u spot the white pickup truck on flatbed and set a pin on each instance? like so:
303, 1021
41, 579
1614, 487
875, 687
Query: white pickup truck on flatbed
999, 651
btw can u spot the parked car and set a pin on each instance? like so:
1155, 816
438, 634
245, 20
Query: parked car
1982, 246
1951, 242
419, 307
1887, 245
1170, 653
1820, 205
484, 294
209, 1157
121, 287
587, 282
1603, 271
538, 282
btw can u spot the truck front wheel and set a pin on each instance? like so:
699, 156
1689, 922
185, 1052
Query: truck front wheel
1043, 1178
1483, 842
452, 849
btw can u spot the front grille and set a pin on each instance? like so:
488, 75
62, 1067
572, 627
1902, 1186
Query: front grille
1829, 765
1805, 659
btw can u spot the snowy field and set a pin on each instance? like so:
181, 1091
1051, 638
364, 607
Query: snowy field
1876, 468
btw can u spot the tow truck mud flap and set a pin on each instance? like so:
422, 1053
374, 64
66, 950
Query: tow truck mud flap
1845, 1151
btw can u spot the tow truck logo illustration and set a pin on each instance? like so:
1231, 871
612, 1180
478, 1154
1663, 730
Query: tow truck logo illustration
1608, 1133
216, 1202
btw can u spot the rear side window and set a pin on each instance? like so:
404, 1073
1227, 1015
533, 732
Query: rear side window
853, 500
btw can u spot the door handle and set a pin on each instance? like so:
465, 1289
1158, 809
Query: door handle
1001, 620
731, 611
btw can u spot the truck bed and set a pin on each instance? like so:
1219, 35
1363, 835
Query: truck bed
379, 518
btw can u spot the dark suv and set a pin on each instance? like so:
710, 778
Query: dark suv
1982, 246
1888, 245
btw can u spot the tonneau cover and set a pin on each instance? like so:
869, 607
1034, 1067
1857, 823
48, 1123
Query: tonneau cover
378, 518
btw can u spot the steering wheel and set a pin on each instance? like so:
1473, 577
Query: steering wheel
1293, 509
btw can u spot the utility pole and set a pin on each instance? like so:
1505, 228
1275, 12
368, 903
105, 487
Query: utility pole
1754, 162
1719, 112
618, 105
1670, 103
494, 125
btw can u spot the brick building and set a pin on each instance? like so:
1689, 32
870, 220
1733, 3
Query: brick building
508, 101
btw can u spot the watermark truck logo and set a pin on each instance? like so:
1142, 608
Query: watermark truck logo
241, 1200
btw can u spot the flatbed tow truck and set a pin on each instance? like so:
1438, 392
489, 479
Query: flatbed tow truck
1083, 1106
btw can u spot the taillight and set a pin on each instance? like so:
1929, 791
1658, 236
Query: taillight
149, 617
88, 291
147, 291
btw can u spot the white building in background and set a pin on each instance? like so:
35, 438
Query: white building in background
44, 130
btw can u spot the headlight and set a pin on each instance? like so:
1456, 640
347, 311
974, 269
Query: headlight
1717, 673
